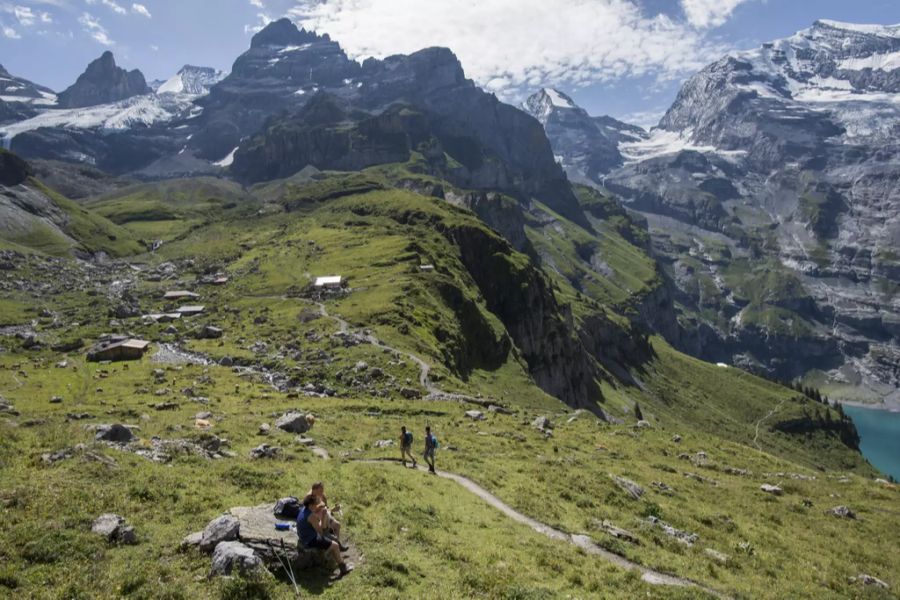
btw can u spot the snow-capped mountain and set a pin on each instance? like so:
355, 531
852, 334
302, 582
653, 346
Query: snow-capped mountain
787, 156
18, 89
586, 146
191, 80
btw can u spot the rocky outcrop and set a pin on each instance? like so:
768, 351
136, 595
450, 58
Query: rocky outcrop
13, 170
103, 82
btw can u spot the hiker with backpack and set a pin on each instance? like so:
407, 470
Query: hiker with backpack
311, 523
406, 441
331, 525
431, 444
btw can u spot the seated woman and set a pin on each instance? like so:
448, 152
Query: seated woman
311, 531
331, 525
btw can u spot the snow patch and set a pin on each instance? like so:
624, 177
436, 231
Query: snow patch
661, 142
884, 62
558, 99
225, 162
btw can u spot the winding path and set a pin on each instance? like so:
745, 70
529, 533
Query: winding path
767, 416
434, 392
580, 540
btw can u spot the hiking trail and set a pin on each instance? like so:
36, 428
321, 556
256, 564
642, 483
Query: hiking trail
582, 541
760, 422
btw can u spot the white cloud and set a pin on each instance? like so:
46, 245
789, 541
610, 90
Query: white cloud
140, 9
10, 33
709, 13
93, 27
264, 20
24, 15
111, 4
257, 3
534, 43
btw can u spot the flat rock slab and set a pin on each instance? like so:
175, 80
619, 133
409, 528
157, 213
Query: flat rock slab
257, 525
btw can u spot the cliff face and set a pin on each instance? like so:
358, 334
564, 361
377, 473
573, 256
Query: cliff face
103, 82
519, 294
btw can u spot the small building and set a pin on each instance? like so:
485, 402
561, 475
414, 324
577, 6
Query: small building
118, 349
426, 268
328, 282
191, 309
180, 295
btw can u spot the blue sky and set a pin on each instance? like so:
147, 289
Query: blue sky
626, 58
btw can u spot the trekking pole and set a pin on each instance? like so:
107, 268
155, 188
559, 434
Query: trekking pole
284, 565
290, 567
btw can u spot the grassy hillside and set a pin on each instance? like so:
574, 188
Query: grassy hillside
352, 360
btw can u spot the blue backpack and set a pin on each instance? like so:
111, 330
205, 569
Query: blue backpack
408, 438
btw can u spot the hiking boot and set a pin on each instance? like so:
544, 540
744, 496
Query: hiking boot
344, 547
431, 470
345, 569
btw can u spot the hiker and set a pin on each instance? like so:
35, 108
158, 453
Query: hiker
311, 531
331, 526
430, 446
406, 440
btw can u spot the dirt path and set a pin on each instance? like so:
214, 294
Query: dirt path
581, 541
760, 422
434, 392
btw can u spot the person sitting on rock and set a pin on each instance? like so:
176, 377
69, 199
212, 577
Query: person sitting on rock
311, 531
406, 441
332, 525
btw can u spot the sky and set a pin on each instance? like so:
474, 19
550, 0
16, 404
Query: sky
625, 58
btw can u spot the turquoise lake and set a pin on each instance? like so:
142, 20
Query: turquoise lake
879, 432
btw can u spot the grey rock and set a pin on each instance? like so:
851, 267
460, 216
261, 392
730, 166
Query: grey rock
542, 423
475, 415
294, 422
682, 536
384, 443
717, 556
633, 489
265, 451
842, 512
114, 528
221, 529
116, 433
234, 558
192, 539
771, 489
864, 579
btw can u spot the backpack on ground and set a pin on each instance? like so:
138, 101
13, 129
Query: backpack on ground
287, 508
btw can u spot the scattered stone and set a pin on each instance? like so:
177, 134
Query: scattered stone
193, 539
642, 424
6, 407
265, 451
542, 424
771, 489
737, 471
384, 443
633, 489
616, 532
475, 415
676, 438
114, 529
208, 332
164, 406
682, 536
662, 488
226, 361
55, 400
52, 457
701, 478
224, 528
203, 415
717, 556
234, 557
842, 512
410, 393
864, 579
78, 416
304, 441
116, 433
264, 429
295, 422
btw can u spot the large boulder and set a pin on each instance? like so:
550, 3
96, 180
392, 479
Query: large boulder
13, 170
294, 422
116, 433
221, 529
234, 558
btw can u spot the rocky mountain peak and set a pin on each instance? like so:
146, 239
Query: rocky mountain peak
191, 80
102, 82
546, 100
284, 33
